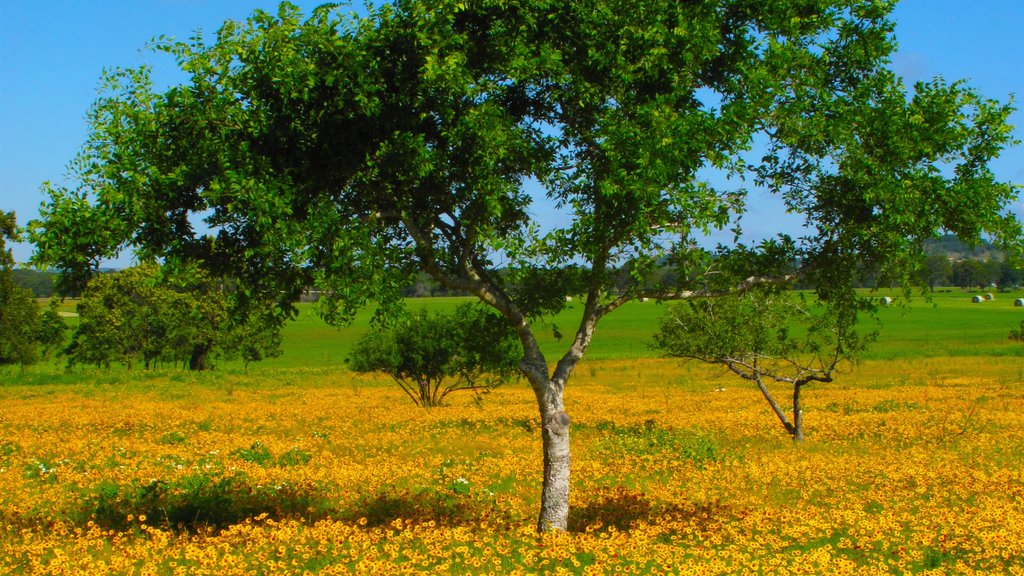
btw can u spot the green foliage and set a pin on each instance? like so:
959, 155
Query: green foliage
766, 334
158, 315
25, 334
935, 271
257, 453
39, 282
173, 438
431, 355
1017, 334
351, 152
763, 331
195, 502
648, 440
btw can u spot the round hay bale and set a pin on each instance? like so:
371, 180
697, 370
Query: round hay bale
977, 299
1019, 302
989, 296
885, 300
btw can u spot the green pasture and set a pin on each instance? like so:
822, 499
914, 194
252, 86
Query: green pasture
945, 324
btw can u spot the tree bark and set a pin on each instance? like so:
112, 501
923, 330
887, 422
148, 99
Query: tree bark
790, 428
549, 390
554, 507
798, 415
198, 359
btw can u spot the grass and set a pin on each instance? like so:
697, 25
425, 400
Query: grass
946, 325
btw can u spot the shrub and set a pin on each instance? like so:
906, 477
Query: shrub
433, 355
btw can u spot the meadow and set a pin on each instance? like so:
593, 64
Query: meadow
941, 324
912, 464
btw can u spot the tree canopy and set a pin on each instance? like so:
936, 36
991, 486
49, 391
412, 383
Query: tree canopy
350, 152
150, 315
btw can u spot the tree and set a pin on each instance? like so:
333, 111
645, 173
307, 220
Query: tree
115, 321
19, 313
432, 355
765, 335
969, 274
1010, 274
936, 271
156, 314
40, 283
350, 153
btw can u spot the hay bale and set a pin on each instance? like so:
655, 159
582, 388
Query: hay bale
1019, 302
989, 296
977, 299
885, 300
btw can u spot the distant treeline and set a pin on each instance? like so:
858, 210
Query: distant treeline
950, 263
40, 283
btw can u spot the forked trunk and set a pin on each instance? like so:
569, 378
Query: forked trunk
554, 498
549, 390
795, 428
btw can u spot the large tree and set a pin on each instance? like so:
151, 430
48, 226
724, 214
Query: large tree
350, 153
26, 335
19, 313
153, 314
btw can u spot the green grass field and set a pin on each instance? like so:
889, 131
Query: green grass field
947, 324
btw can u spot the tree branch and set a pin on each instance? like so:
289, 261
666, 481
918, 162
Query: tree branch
744, 286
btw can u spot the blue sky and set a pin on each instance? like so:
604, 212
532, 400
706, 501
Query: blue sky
53, 52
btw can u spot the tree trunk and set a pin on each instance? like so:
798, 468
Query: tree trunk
554, 499
198, 358
549, 390
792, 429
554, 507
798, 415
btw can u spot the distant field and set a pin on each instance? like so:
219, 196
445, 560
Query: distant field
949, 325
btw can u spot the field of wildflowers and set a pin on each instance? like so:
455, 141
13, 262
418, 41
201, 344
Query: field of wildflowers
909, 467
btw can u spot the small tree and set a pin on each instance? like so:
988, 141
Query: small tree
115, 324
764, 336
432, 355
18, 315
